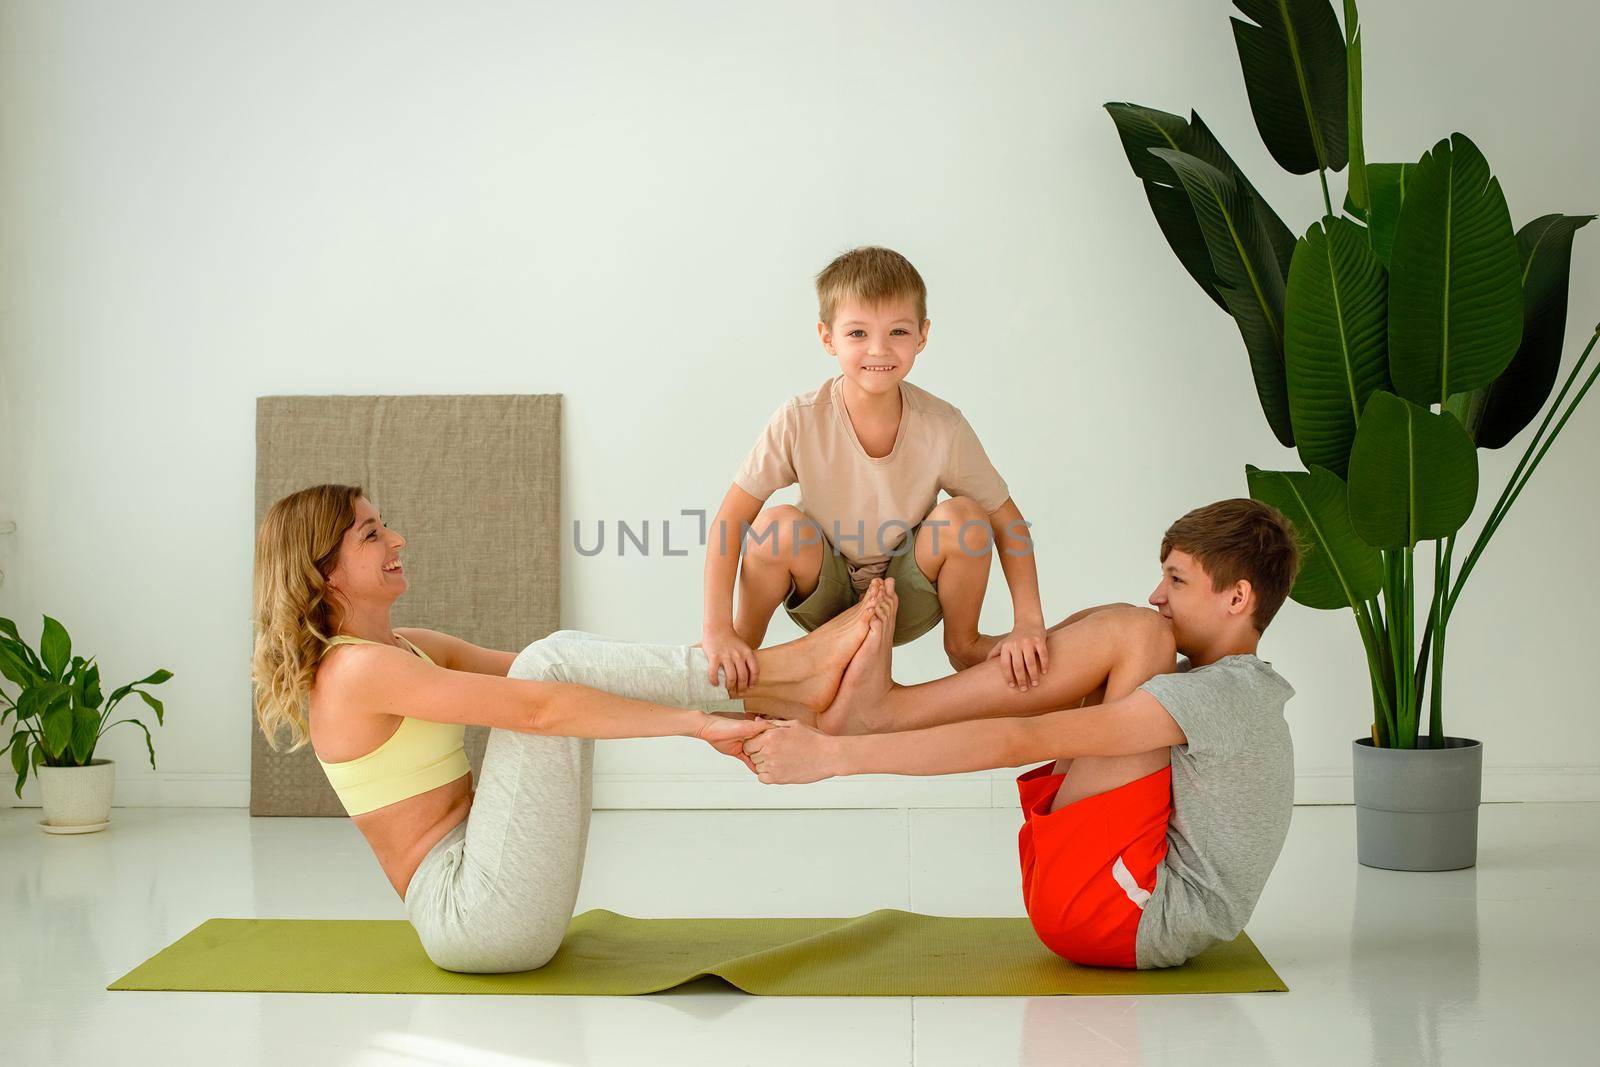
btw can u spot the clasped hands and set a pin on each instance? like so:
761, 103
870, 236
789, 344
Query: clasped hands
778, 751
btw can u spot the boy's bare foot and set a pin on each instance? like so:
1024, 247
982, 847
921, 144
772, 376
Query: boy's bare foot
799, 678
858, 706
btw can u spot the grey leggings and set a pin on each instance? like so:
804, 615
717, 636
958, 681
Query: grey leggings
496, 893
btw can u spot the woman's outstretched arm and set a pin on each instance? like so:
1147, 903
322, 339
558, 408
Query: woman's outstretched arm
380, 680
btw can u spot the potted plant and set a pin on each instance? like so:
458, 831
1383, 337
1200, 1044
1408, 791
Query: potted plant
1387, 345
57, 720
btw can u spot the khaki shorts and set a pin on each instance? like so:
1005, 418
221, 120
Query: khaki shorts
919, 609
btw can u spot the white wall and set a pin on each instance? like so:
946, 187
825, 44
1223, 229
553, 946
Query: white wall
201, 203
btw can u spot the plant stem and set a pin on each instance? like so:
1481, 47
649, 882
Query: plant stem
1327, 201
1408, 620
1370, 642
1514, 486
1441, 583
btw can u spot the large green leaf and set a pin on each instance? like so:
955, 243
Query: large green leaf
1334, 334
1386, 194
1294, 71
1356, 189
1141, 129
85, 732
1497, 412
1247, 276
1413, 474
1337, 568
1455, 278
56, 725
14, 667
55, 647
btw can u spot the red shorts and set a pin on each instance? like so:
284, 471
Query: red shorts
1088, 869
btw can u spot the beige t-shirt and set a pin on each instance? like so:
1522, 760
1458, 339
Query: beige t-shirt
866, 505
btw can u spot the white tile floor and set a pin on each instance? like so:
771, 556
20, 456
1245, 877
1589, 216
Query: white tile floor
1494, 965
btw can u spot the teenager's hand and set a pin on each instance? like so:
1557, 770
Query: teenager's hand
1024, 654
791, 753
730, 655
727, 732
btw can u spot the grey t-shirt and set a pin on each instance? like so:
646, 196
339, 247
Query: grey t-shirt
1232, 794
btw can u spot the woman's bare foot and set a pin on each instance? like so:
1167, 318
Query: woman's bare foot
858, 706
798, 679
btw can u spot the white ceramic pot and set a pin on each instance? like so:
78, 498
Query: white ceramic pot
77, 796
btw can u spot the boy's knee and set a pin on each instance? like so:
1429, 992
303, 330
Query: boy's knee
963, 527
1143, 630
779, 532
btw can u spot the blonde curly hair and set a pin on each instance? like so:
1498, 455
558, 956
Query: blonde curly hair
297, 548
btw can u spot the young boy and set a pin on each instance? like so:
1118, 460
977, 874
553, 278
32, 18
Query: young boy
871, 453
1152, 833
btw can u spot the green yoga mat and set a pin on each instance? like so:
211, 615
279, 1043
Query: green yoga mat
887, 954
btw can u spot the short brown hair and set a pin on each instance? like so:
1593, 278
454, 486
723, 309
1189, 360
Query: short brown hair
1241, 538
871, 275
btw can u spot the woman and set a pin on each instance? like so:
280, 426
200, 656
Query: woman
489, 876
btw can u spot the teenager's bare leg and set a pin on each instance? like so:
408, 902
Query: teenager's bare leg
1117, 649
784, 550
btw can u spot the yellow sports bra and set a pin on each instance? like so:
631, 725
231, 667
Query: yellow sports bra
417, 757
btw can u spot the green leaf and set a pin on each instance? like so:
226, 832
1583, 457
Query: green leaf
1499, 411
1386, 192
15, 668
1141, 129
1337, 568
1176, 218
31, 701
1413, 474
155, 705
56, 721
1455, 278
1334, 340
19, 760
91, 687
55, 647
1295, 74
1247, 277
1356, 190
85, 732
148, 743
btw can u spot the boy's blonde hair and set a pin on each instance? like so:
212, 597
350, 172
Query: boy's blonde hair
870, 275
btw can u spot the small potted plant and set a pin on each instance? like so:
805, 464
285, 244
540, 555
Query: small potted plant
1388, 345
57, 719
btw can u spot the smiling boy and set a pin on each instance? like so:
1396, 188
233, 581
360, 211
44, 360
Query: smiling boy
1152, 832
871, 452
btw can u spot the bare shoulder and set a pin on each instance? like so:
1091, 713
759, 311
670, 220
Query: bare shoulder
440, 647
350, 676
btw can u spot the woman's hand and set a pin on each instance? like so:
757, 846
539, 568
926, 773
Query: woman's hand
730, 655
790, 753
727, 731
1024, 653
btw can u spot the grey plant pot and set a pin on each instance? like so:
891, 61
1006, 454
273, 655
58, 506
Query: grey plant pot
1417, 809
77, 796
